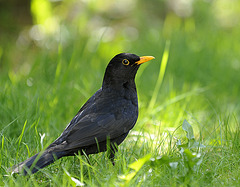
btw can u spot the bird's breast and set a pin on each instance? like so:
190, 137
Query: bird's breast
122, 102
127, 107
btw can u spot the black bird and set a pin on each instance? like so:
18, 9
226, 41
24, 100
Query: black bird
107, 116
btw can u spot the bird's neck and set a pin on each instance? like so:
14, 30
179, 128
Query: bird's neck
120, 84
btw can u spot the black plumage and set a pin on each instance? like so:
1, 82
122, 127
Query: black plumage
108, 115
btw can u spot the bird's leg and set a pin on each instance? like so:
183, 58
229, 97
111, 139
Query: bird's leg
87, 160
111, 155
86, 156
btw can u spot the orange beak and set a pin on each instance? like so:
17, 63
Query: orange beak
144, 59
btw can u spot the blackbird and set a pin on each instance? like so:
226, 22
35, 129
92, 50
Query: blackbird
107, 116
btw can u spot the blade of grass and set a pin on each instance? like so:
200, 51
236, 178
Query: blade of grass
3, 129
160, 76
21, 135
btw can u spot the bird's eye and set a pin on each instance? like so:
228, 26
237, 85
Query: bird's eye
125, 62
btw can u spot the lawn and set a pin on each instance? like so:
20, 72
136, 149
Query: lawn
188, 130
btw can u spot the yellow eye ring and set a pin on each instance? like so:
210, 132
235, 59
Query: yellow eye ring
125, 62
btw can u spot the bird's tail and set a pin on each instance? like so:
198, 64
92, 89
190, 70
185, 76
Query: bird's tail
36, 162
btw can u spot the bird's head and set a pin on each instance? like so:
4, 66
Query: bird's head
123, 68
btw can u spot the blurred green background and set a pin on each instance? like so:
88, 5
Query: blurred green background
53, 55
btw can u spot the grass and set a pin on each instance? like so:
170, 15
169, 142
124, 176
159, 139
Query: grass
188, 129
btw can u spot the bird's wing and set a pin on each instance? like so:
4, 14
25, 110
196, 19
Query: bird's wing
99, 120
97, 126
73, 122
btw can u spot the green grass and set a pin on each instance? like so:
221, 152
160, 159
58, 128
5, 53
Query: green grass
188, 130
